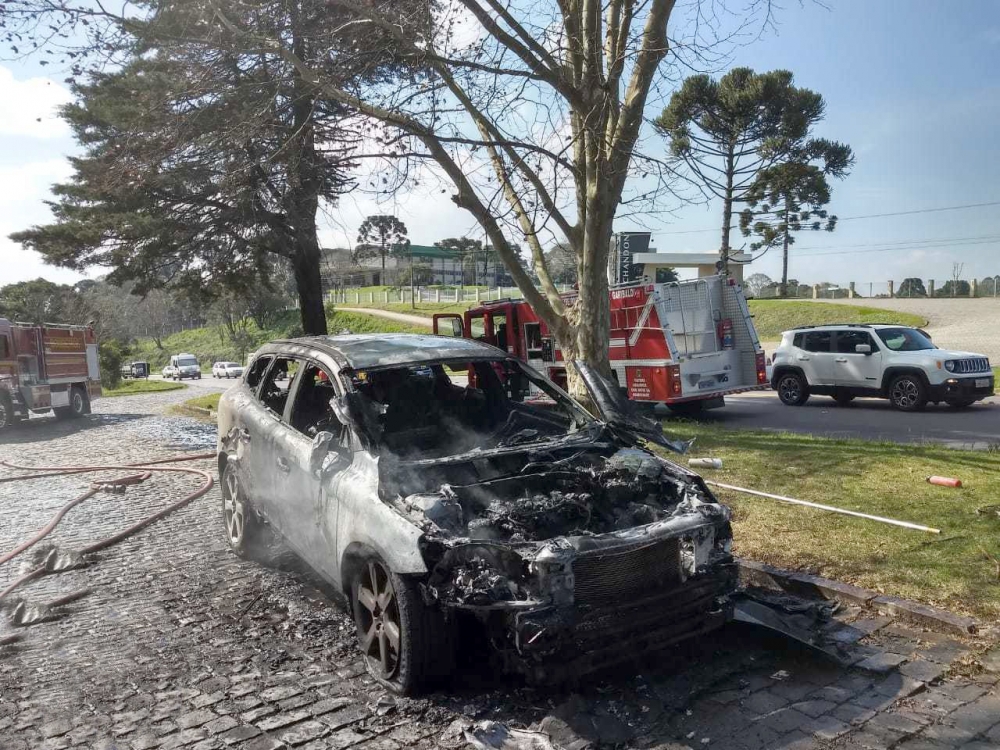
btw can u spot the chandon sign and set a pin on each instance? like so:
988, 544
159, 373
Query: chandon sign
630, 243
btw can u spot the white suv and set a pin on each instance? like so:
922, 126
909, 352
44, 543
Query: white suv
883, 361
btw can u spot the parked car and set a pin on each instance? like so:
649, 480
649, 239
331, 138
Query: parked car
185, 366
227, 370
169, 372
437, 481
895, 362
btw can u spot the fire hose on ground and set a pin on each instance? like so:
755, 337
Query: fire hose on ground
147, 469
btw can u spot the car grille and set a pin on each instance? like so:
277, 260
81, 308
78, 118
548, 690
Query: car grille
969, 366
606, 576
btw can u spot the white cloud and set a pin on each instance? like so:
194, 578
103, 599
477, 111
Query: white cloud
31, 106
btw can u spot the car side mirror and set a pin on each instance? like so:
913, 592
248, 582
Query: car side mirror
863, 348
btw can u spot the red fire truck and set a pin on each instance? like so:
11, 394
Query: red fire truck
686, 344
45, 367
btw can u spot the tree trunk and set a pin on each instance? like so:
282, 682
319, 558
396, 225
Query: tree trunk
784, 256
727, 213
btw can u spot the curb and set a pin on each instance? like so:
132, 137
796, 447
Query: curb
815, 587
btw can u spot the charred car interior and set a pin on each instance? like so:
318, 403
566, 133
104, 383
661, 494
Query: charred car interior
436, 482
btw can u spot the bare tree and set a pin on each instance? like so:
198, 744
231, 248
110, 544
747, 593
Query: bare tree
527, 113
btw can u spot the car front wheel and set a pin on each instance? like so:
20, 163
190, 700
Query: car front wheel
907, 393
405, 642
793, 389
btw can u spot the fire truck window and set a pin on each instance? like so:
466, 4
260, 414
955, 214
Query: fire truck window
476, 328
256, 371
502, 336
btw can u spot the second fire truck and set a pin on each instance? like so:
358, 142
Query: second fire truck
47, 367
686, 344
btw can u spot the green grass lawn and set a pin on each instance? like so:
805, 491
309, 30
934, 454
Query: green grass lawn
210, 344
951, 570
208, 401
773, 316
132, 387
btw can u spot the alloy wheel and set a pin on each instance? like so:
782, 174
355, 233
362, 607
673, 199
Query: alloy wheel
376, 613
789, 389
233, 511
905, 393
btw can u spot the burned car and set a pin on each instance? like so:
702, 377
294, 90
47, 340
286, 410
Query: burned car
437, 481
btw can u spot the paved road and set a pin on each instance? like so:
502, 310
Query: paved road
413, 320
977, 427
180, 644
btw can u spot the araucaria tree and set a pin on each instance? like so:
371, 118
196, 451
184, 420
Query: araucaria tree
203, 162
791, 196
729, 131
527, 113
380, 235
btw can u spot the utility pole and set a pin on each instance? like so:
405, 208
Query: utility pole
413, 303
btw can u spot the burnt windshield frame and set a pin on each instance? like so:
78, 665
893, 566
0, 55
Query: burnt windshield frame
910, 335
578, 415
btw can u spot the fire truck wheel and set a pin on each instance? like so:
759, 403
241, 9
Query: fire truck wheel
6, 413
77, 405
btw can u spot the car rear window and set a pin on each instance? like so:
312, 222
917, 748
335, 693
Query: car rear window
257, 370
818, 341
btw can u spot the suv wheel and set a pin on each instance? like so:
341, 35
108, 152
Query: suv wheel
405, 642
792, 389
907, 393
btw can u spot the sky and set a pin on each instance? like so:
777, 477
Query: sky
910, 85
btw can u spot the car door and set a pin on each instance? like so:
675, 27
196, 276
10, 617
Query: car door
856, 369
816, 356
262, 424
304, 500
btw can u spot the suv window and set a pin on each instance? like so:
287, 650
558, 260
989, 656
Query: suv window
848, 340
274, 390
256, 371
818, 341
311, 411
905, 339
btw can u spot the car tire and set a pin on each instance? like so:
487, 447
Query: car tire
960, 403
7, 418
843, 398
248, 536
77, 405
389, 607
907, 393
792, 388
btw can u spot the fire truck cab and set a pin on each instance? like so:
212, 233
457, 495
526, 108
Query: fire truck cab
47, 367
686, 344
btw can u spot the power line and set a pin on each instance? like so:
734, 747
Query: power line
905, 244
890, 249
853, 218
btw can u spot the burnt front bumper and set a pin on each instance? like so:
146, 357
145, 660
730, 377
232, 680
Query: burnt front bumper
558, 643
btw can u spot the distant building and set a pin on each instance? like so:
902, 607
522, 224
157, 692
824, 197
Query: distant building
432, 265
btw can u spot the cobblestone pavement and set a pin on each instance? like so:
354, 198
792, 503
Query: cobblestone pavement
181, 644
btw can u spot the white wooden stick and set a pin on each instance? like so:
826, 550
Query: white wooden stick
793, 501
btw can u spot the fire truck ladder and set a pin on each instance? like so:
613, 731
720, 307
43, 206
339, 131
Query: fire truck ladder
668, 301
